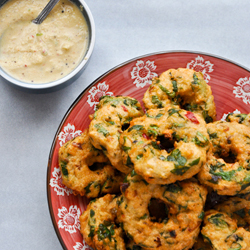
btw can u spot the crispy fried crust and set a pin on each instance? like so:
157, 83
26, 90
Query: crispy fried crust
229, 140
238, 209
184, 202
222, 232
98, 224
75, 158
107, 124
181, 88
240, 118
142, 147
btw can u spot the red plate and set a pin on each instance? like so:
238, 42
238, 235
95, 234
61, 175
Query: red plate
230, 84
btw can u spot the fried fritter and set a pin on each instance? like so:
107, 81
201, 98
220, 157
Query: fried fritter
227, 169
240, 118
76, 157
108, 122
181, 88
238, 209
166, 145
221, 232
183, 204
98, 224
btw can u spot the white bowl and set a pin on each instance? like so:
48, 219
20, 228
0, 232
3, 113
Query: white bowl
73, 75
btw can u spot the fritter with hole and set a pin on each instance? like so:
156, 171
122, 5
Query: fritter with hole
238, 209
222, 233
182, 202
166, 145
76, 157
227, 169
182, 88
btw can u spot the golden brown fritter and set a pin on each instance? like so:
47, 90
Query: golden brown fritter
98, 224
227, 169
238, 209
181, 88
143, 145
106, 127
75, 159
183, 205
240, 118
222, 233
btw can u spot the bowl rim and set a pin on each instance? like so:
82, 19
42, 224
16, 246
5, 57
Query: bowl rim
83, 92
37, 86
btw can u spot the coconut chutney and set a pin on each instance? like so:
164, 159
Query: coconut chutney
41, 53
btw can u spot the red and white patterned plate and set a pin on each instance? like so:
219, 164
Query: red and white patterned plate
230, 84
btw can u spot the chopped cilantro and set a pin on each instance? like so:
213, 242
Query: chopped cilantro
156, 101
136, 127
64, 168
101, 129
201, 140
170, 94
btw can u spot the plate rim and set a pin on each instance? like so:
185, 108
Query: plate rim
78, 98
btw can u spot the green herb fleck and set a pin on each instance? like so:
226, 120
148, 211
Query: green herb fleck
156, 101
138, 157
101, 129
177, 157
212, 135
174, 188
201, 215
201, 140
104, 232
206, 117
92, 213
64, 168
194, 162
136, 127
170, 94
155, 145
175, 88
196, 79
129, 163
87, 188
216, 220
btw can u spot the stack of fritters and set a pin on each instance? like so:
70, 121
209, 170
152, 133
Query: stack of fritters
153, 176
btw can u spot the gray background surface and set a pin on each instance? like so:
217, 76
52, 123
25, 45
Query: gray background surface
124, 30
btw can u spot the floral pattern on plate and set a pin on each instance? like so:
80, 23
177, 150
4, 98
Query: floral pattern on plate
143, 73
56, 183
243, 89
96, 92
69, 219
82, 246
68, 133
132, 78
200, 65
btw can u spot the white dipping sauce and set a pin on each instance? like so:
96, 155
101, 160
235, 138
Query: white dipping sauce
41, 53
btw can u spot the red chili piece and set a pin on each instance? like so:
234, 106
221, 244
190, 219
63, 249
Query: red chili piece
191, 117
145, 136
124, 108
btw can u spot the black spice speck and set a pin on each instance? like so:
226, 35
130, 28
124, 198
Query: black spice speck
172, 233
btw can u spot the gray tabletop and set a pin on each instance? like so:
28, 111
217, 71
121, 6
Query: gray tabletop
124, 30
